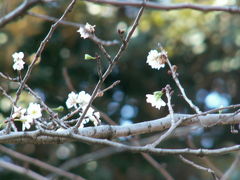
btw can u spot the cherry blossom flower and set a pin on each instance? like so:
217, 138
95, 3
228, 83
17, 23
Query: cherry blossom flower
83, 98
26, 122
91, 115
18, 56
86, 31
18, 65
90, 28
18, 112
155, 99
156, 59
34, 110
18, 61
72, 100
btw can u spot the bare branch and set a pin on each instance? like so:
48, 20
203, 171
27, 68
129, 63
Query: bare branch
167, 7
111, 66
101, 93
234, 165
67, 79
21, 170
175, 78
198, 166
206, 160
77, 25
19, 11
41, 48
6, 94
157, 166
39, 163
108, 131
46, 136
174, 124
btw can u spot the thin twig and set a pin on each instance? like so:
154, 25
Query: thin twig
94, 38
174, 124
54, 116
106, 54
39, 163
6, 94
146, 156
21, 170
157, 166
187, 161
206, 160
234, 165
101, 93
92, 156
48, 109
167, 7
67, 79
175, 78
19, 11
41, 48
47, 136
110, 67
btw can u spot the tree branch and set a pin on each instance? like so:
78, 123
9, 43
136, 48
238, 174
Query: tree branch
111, 65
137, 149
77, 25
19, 11
191, 163
108, 131
229, 172
21, 170
41, 48
39, 163
167, 7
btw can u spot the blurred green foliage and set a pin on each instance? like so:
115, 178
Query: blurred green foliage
204, 46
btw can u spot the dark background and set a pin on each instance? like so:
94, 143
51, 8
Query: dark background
204, 46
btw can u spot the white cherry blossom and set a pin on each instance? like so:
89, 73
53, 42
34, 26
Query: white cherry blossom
34, 110
72, 100
18, 65
156, 59
86, 31
18, 56
91, 115
18, 61
18, 112
83, 98
155, 99
27, 120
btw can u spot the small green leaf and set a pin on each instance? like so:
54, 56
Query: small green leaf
158, 94
89, 57
58, 109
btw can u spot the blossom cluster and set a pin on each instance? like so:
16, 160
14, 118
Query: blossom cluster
156, 60
26, 116
18, 61
81, 100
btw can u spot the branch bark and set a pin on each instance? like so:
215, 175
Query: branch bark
109, 132
167, 7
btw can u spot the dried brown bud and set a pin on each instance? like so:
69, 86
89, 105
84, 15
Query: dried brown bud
100, 94
174, 68
121, 31
163, 90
